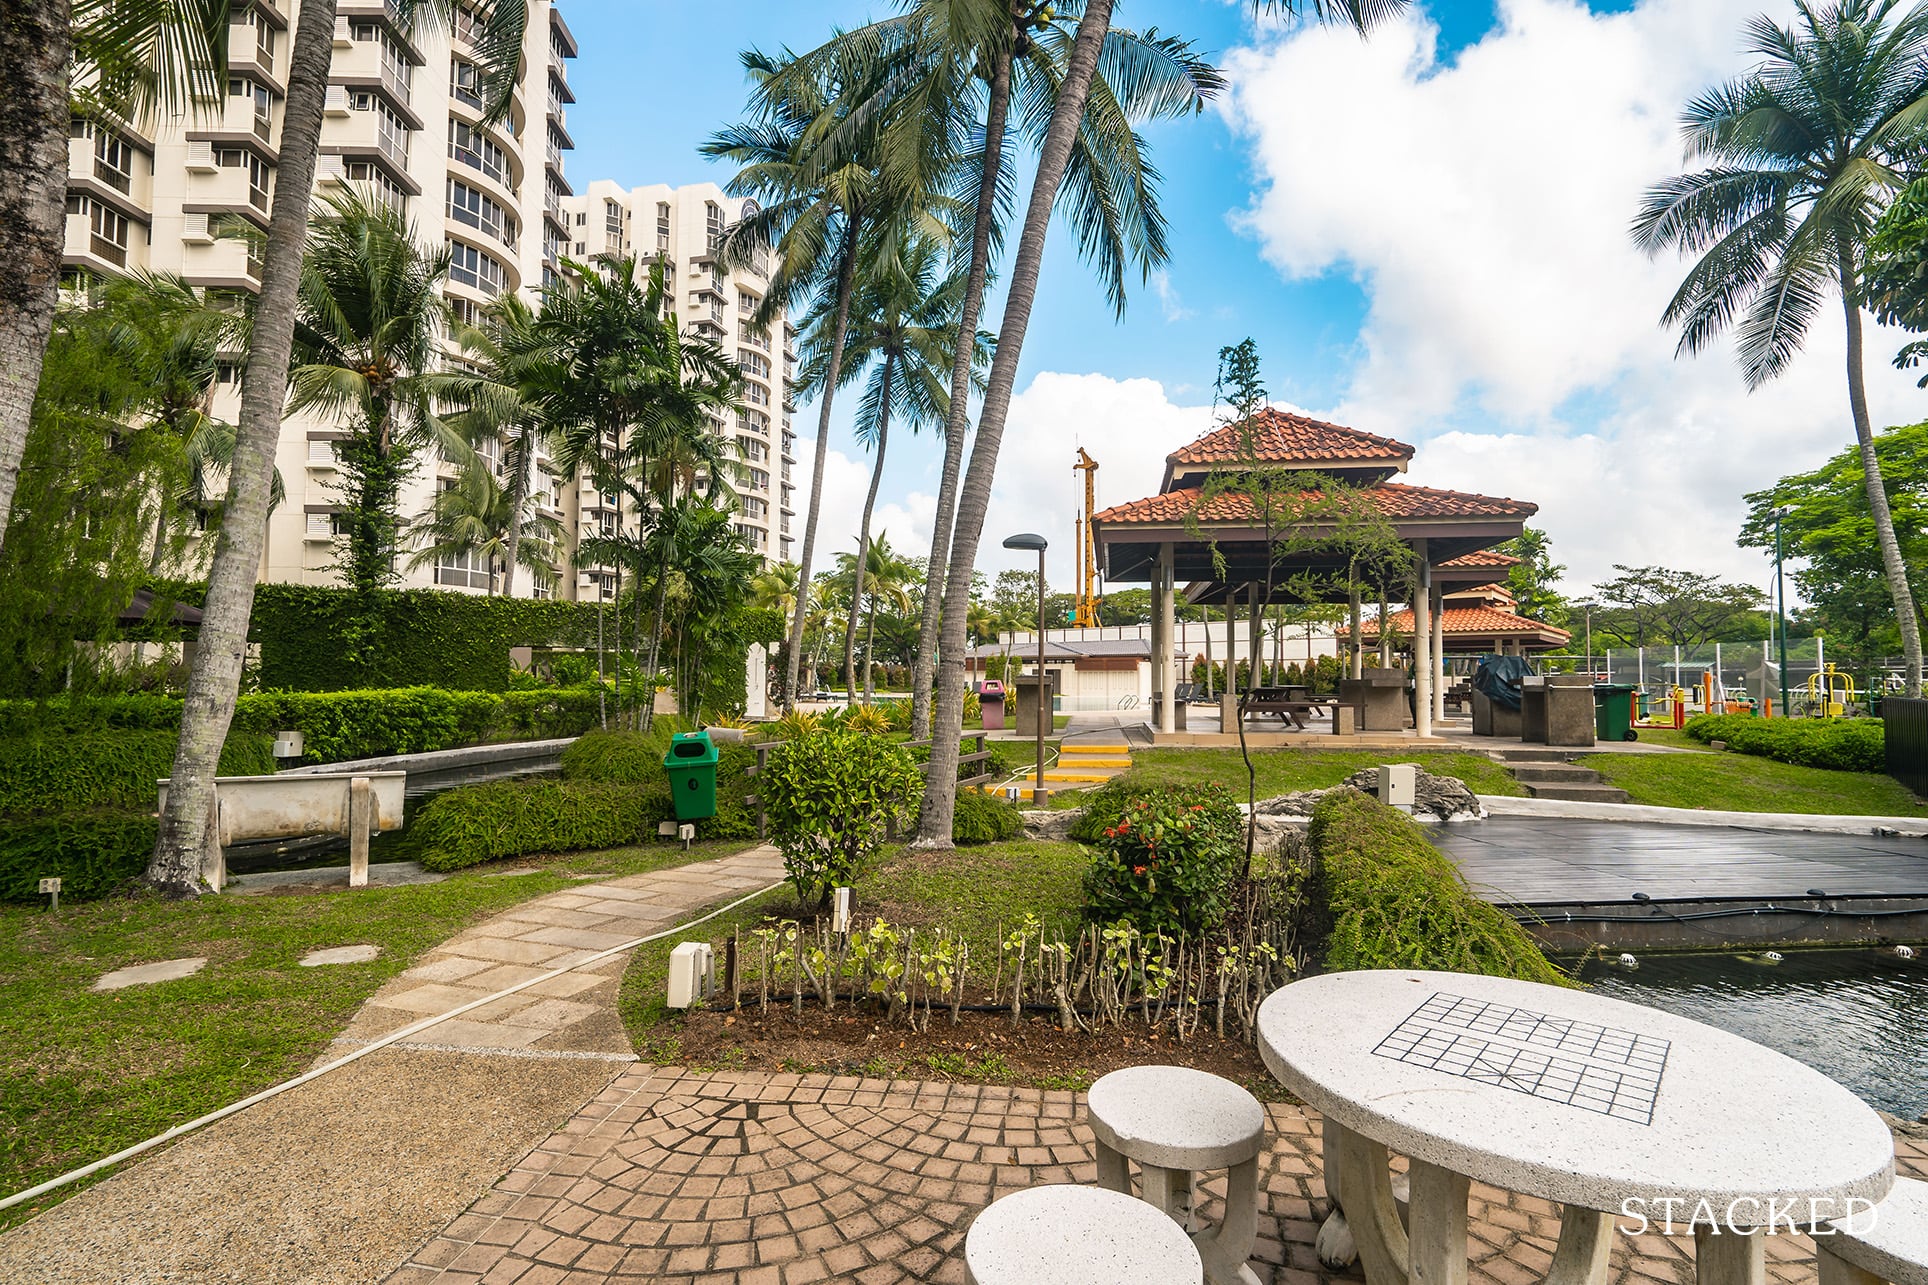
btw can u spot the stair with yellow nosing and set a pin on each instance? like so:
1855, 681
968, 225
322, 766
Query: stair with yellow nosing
1083, 762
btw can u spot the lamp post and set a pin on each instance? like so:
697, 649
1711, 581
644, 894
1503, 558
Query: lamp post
1780, 607
1029, 541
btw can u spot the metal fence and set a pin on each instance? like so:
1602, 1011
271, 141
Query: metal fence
1906, 738
1742, 674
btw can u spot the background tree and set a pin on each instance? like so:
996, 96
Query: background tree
107, 61
1664, 607
371, 318
1534, 582
1804, 150
477, 516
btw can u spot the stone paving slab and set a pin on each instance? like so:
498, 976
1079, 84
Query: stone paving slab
757, 1179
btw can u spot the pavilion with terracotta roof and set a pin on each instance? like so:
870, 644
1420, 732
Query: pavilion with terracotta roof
1475, 622
1214, 549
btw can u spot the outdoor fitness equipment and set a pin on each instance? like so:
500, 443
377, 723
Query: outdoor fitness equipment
1830, 694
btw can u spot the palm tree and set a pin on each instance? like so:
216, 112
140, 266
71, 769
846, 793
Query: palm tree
966, 64
1804, 151
371, 318
775, 588
476, 516
877, 579
499, 27
904, 338
974, 498
107, 61
807, 160
700, 548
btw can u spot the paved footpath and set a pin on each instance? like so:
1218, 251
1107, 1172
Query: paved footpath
758, 1179
336, 1181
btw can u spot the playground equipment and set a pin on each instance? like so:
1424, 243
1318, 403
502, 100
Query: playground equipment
1830, 694
1087, 609
1669, 710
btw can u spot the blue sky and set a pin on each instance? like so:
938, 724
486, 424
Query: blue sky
1425, 233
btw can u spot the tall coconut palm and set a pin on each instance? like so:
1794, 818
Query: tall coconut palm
1805, 150
974, 496
809, 162
367, 338
497, 28
108, 61
477, 516
879, 580
901, 345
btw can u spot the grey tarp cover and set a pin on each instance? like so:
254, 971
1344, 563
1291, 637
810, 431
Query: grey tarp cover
1499, 677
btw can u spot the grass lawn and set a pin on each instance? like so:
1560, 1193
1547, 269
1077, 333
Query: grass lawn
84, 1074
1748, 783
1281, 771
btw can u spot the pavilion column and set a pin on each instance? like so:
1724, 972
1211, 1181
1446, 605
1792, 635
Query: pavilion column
1439, 653
1422, 644
1228, 702
1164, 612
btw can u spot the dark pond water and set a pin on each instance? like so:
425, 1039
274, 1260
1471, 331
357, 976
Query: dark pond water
1859, 1017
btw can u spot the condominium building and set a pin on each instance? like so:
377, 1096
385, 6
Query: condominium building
680, 228
404, 122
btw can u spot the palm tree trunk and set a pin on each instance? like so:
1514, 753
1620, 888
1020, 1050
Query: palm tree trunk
863, 546
1884, 523
957, 423
870, 649
846, 278
940, 785
35, 43
223, 642
518, 496
656, 637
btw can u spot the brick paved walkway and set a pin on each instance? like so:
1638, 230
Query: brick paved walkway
572, 1013
757, 1179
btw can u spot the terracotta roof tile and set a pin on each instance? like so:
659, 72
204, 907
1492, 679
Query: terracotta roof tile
1395, 500
1482, 558
1466, 620
1280, 437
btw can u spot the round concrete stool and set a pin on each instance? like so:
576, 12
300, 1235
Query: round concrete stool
1175, 1121
1891, 1244
1070, 1235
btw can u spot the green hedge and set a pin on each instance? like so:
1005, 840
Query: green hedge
335, 725
92, 853
984, 818
49, 774
318, 638
1394, 901
477, 823
1840, 744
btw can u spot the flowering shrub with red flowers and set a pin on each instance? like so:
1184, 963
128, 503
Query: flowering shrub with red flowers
1167, 862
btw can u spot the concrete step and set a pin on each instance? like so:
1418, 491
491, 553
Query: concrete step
1088, 747
1062, 774
1576, 793
1092, 760
1512, 755
1554, 773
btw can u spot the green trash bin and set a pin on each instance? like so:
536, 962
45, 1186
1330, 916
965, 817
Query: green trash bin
1613, 712
691, 765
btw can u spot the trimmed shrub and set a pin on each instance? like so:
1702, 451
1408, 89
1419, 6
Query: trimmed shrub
106, 769
1106, 804
1166, 864
831, 797
1839, 744
1395, 901
984, 818
636, 758
476, 823
93, 853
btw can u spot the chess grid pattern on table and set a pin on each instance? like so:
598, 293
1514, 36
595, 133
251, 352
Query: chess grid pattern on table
1596, 1068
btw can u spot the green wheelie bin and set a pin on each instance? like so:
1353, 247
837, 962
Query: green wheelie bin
691, 765
1613, 712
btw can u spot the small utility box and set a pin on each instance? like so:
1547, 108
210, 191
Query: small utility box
288, 745
691, 765
1398, 785
1034, 715
692, 974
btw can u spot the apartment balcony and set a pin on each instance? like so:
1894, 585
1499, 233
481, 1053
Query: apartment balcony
229, 189
362, 65
85, 248
224, 262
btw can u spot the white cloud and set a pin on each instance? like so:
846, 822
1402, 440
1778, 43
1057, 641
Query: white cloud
1169, 303
1513, 328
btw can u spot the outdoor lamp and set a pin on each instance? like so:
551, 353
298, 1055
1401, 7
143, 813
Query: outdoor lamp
1038, 542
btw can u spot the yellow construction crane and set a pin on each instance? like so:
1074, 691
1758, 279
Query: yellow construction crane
1087, 613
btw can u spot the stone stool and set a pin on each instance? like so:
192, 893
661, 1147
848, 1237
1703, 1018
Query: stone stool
1175, 1121
1895, 1248
1070, 1235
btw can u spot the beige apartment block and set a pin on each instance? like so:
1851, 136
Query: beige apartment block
403, 122
680, 227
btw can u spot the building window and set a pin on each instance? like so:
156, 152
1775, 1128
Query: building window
110, 234
476, 150
113, 161
464, 569
470, 267
756, 394
257, 182
467, 205
713, 224
613, 223
384, 188
465, 83
662, 225
753, 363
391, 133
